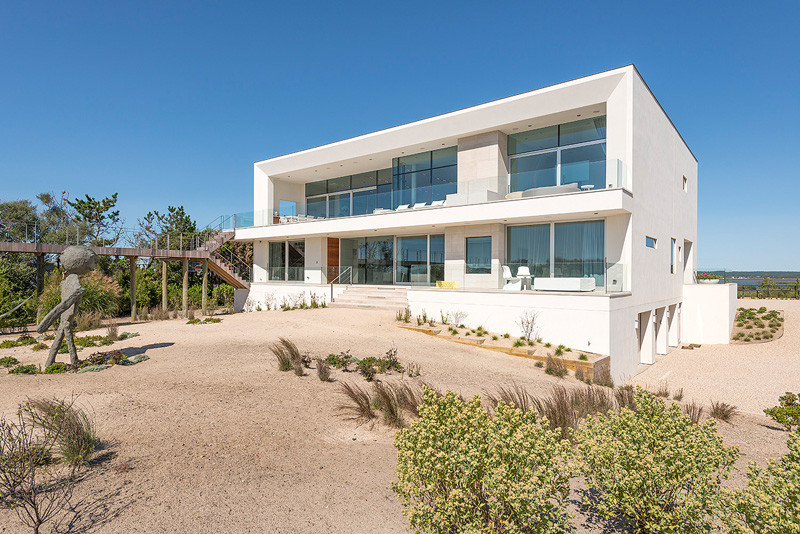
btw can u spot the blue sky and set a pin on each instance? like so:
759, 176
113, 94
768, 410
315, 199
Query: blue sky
172, 102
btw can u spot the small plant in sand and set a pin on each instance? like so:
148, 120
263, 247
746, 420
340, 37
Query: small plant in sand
340, 361
491, 474
555, 367
458, 317
112, 330
323, 370
357, 404
37, 488
76, 438
787, 413
528, 324
8, 361
618, 452
286, 354
722, 411
693, 411
30, 369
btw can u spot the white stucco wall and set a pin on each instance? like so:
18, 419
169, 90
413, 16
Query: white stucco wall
262, 294
708, 313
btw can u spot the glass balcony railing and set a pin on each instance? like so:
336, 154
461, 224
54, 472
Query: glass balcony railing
608, 277
521, 185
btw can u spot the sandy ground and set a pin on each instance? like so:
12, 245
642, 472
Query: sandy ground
207, 436
750, 376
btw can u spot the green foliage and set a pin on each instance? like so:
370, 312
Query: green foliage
460, 470
31, 369
99, 218
340, 361
56, 368
770, 504
653, 467
73, 428
8, 361
583, 358
788, 413
101, 293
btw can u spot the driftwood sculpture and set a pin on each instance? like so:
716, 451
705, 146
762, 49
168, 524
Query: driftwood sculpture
75, 261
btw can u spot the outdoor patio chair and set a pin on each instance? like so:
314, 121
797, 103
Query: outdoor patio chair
402, 207
419, 205
512, 283
437, 203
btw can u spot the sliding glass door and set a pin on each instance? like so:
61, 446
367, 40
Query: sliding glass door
412, 260
287, 260
560, 250
580, 251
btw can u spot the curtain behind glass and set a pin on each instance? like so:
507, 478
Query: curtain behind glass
529, 245
580, 250
277, 260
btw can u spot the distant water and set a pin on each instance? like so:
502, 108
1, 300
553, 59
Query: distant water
756, 281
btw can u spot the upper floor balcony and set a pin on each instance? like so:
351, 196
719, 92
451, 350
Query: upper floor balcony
562, 188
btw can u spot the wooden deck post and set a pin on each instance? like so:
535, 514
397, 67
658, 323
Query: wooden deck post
164, 294
185, 294
132, 260
205, 287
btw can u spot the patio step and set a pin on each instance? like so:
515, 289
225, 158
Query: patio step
372, 297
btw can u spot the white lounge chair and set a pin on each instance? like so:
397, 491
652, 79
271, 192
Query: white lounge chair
402, 207
512, 283
437, 203
419, 205
524, 274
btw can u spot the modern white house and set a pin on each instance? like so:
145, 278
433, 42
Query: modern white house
577, 201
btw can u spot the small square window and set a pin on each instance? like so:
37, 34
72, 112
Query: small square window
479, 255
685, 184
650, 242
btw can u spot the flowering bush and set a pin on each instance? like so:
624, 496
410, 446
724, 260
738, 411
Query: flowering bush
708, 276
770, 504
788, 413
461, 470
653, 466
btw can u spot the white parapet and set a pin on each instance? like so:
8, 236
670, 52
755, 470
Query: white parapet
708, 313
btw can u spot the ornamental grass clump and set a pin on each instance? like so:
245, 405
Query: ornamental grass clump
76, 438
653, 467
286, 354
770, 504
461, 470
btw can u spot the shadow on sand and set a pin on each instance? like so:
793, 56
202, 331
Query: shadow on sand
135, 351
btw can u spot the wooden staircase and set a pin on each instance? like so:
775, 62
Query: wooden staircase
218, 265
372, 297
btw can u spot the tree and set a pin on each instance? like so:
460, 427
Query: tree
103, 223
175, 227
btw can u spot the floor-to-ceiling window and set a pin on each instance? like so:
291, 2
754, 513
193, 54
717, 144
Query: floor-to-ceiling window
579, 250
562, 250
414, 260
437, 258
287, 260
424, 178
529, 246
479, 255
574, 152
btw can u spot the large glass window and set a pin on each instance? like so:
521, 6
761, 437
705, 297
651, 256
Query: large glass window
538, 170
437, 258
580, 250
317, 207
548, 156
296, 252
277, 260
424, 178
479, 255
529, 245
584, 165
582, 131
412, 260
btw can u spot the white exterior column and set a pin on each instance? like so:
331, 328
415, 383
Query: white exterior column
647, 338
674, 325
316, 259
662, 331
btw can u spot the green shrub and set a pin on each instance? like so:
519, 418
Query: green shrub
770, 504
8, 361
519, 343
101, 293
31, 369
653, 467
56, 368
788, 413
8, 344
460, 470
39, 346
583, 357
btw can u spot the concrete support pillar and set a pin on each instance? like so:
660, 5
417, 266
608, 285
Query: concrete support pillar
205, 287
132, 260
662, 331
185, 294
674, 326
647, 338
164, 294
